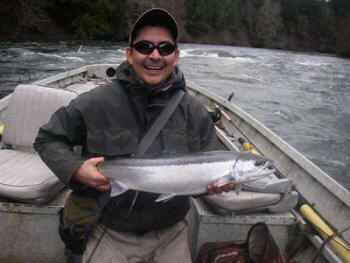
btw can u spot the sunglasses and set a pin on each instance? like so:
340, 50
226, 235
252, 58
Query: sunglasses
146, 47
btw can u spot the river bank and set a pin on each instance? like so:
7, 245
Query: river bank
212, 38
315, 26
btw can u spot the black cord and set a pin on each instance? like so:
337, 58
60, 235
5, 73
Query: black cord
329, 238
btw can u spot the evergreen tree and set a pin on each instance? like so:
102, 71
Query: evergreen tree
342, 11
100, 19
211, 15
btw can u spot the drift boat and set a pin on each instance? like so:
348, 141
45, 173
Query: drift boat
29, 212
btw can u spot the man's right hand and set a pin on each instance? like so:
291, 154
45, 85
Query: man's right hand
88, 175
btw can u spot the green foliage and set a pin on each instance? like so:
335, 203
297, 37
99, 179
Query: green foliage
211, 15
227, 15
321, 24
289, 13
305, 17
265, 21
340, 7
19, 16
342, 11
100, 19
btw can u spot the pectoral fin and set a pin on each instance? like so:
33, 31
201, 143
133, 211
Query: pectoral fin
165, 197
238, 188
117, 188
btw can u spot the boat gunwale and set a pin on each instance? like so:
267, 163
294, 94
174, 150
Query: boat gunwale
323, 178
31, 209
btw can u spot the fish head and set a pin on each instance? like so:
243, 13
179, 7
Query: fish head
248, 167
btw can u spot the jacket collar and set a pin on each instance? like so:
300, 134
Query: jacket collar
126, 75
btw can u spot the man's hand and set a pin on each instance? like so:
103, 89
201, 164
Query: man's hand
215, 189
88, 174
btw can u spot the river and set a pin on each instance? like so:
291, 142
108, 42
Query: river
303, 97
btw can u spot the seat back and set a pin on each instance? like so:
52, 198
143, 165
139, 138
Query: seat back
29, 107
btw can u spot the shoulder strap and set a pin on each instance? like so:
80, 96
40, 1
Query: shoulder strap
149, 138
155, 129
159, 123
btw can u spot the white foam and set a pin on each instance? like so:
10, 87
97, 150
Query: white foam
60, 57
311, 63
185, 53
190, 53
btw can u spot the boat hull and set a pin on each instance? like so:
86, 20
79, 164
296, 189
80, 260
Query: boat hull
30, 233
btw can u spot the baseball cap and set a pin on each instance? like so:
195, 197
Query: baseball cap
155, 16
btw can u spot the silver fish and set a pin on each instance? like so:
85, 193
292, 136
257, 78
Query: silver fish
183, 174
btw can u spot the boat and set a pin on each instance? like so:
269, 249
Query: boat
317, 227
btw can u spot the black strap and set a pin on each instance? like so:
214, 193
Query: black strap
149, 138
159, 123
155, 129
142, 148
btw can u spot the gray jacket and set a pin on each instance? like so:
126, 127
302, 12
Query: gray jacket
109, 121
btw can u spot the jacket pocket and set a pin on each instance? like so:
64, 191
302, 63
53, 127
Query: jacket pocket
175, 140
112, 141
194, 141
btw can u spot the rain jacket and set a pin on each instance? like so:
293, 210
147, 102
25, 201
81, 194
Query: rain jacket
110, 121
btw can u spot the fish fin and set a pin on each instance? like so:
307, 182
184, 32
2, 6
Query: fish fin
238, 188
224, 180
117, 188
165, 197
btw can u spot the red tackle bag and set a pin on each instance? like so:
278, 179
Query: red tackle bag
260, 247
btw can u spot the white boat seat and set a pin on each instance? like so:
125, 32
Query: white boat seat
23, 175
250, 202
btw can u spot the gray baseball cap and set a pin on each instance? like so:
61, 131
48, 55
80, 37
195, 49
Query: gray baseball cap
158, 17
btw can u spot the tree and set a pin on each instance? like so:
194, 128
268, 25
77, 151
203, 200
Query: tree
20, 16
340, 7
211, 15
226, 15
289, 14
342, 11
343, 37
100, 19
269, 23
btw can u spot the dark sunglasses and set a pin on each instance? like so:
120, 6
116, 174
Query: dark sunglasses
146, 47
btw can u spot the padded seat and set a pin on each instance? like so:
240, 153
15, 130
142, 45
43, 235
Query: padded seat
23, 175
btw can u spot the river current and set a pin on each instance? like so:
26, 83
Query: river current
303, 97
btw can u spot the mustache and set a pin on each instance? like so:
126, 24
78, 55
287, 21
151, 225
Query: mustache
154, 64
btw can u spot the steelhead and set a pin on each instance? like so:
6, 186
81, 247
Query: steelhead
183, 174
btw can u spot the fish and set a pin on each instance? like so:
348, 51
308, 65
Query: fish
171, 175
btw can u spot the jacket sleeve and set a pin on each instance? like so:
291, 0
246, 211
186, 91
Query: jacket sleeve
56, 140
207, 133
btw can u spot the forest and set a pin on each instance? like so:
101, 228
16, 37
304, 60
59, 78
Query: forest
304, 25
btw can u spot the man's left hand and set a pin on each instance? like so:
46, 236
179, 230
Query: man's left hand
215, 189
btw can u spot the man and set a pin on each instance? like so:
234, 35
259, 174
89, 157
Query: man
110, 121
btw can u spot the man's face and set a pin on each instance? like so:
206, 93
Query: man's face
153, 69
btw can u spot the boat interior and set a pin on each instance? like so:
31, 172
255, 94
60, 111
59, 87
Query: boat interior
30, 194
